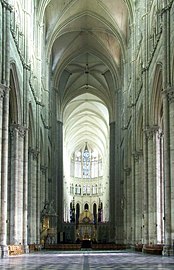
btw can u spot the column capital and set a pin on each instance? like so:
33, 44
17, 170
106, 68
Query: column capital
160, 133
18, 128
169, 93
137, 155
22, 130
3, 90
34, 153
1, 93
127, 170
150, 131
43, 168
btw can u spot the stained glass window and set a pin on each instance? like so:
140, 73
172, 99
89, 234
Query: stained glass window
86, 163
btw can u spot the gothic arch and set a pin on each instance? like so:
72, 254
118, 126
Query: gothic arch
156, 97
15, 97
153, 18
103, 80
156, 123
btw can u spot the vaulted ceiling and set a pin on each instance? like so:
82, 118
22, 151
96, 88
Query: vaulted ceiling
85, 43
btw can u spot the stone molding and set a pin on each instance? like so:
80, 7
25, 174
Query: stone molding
1, 93
44, 123
49, 180
18, 128
43, 169
170, 94
150, 131
6, 5
160, 134
137, 155
34, 153
127, 170
3, 90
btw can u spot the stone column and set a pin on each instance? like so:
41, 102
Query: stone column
166, 83
5, 68
1, 110
4, 176
26, 74
38, 184
29, 200
1, 34
133, 200
145, 96
32, 204
43, 170
170, 95
151, 136
21, 135
59, 175
138, 196
14, 185
167, 180
34, 195
128, 203
114, 200
25, 194
159, 187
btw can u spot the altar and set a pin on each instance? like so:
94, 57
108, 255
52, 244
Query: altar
86, 229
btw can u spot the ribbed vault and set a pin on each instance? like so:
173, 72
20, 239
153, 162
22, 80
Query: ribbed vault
85, 43
86, 120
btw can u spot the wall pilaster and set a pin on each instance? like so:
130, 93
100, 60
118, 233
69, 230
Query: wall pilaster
32, 202
128, 202
1, 119
59, 175
43, 177
137, 156
25, 194
4, 175
14, 185
166, 82
152, 206
5, 78
170, 97
114, 208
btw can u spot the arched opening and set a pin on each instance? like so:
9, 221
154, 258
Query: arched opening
157, 122
86, 157
13, 160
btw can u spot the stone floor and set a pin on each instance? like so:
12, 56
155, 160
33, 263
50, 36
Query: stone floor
85, 260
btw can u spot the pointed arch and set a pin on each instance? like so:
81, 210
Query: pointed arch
15, 107
156, 97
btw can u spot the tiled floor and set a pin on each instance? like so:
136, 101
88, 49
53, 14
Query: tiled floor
85, 260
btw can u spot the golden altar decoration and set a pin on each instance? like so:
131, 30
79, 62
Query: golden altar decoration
86, 228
